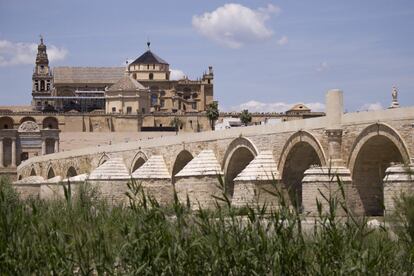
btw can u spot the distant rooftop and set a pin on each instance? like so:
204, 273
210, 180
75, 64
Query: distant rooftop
299, 107
95, 75
126, 83
149, 58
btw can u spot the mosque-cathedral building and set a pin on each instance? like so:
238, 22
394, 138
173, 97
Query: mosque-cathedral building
144, 86
137, 98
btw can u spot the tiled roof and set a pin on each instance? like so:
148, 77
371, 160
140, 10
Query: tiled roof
96, 75
149, 58
126, 83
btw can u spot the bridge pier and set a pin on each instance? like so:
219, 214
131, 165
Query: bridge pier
200, 181
251, 186
327, 180
110, 179
322, 183
399, 179
155, 180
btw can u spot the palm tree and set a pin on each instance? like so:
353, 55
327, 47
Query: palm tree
245, 117
213, 113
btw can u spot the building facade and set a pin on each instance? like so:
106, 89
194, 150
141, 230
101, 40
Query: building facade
87, 89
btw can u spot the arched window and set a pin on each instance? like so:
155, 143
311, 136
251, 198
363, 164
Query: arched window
6, 123
50, 123
25, 119
151, 76
42, 85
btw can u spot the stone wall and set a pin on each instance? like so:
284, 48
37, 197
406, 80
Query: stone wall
365, 143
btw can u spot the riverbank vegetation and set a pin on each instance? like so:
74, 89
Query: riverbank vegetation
83, 234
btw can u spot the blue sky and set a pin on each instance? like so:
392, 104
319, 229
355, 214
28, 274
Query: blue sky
266, 55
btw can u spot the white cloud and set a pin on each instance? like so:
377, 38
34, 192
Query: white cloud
234, 25
176, 74
19, 53
283, 41
322, 67
55, 54
371, 107
256, 106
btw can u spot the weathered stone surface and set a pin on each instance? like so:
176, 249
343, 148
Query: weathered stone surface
114, 168
199, 180
154, 168
160, 189
399, 179
77, 178
155, 179
321, 182
263, 167
253, 184
203, 164
201, 191
258, 193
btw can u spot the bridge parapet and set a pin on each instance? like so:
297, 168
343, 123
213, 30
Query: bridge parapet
363, 143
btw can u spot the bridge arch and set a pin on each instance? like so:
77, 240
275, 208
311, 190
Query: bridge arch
139, 160
104, 157
50, 173
375, 148
71, 172
6, 123
301, 151
239, 154
33, 172
181, 160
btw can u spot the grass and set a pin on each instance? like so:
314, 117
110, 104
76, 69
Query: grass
84, 235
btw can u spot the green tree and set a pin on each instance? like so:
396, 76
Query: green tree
176, 123
245, 117
213, 113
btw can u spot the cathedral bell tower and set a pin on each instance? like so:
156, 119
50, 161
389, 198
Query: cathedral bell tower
42, 79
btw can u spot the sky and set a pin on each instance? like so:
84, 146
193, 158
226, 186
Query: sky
266, 55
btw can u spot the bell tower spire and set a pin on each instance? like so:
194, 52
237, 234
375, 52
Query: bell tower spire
42, 78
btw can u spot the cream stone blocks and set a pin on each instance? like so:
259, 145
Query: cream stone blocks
323, 183
199, 180
253, 184
399, 179
111, 180
155, 179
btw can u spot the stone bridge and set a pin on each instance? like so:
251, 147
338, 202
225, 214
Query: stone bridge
366, 150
